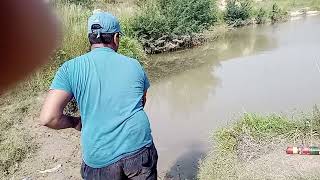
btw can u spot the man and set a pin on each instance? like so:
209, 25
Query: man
110, 90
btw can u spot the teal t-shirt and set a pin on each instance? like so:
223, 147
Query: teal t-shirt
108, 88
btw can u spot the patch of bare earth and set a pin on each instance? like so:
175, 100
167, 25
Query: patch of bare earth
268, 160
57, 149
278, 165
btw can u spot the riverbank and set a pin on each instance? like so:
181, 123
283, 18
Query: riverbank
254, 148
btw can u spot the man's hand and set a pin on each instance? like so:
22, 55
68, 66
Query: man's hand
52, 111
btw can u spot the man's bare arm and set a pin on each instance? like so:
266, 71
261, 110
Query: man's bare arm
52, 111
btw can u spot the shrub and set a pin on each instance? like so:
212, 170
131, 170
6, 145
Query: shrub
150, 22
186, 16
132, 48
173, 17
262, 16
238, 12
277, 14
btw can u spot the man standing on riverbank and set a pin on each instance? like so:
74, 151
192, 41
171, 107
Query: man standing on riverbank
110, 90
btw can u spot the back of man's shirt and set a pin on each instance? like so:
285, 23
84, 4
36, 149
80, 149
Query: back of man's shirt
108, 88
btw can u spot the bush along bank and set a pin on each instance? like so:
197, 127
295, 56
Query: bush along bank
245, 12
168, 25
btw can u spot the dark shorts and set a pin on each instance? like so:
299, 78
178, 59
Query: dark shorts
139, 166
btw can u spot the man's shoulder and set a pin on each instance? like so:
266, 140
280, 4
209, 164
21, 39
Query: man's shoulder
129, 60
123, 57
76, 60
80, 58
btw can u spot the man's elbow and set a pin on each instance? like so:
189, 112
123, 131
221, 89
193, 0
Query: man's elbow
46, 120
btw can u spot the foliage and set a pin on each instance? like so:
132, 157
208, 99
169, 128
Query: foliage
173, 17
262, 16
132, 48
140, 2
238, 12
277, 14
186, 16
150, 22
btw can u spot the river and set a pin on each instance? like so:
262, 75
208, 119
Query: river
263, 69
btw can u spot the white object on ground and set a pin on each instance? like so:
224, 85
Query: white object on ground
51, 170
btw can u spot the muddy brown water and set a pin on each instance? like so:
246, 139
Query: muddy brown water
263, 69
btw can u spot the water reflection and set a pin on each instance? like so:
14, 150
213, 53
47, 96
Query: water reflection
190, 89
236, 43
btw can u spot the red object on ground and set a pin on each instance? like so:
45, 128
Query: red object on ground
305, 151
293, 150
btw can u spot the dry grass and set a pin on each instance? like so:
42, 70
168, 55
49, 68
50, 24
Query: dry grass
121, 9
15, 140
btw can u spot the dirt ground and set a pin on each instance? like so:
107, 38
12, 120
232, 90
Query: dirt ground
278, 165
55, 148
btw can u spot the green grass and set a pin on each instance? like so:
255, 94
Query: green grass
248, 136
258, 127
